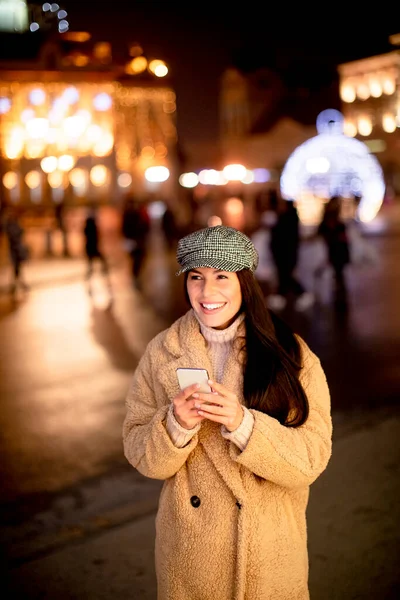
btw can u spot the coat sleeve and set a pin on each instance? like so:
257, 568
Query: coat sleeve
147, 444
293, 457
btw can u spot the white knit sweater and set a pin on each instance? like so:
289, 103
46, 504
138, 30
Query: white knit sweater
219, 344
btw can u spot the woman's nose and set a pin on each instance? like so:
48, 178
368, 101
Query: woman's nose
208, 286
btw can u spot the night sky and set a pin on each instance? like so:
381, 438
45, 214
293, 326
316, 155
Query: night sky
199, 40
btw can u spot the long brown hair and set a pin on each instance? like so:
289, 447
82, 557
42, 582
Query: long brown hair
272, 358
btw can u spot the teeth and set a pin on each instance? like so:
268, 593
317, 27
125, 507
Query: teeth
212, 306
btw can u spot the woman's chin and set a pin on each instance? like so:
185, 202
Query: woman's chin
210, 320
214, 321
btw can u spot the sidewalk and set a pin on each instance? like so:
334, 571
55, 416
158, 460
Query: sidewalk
353, 519
97, 542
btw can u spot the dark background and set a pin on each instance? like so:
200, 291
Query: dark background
198, 41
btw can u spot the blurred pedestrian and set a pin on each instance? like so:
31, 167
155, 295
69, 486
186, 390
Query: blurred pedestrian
170, 227
59, 213
334, 234
135, 230
237, 462
18, 250
284, 247
92, 249
362, 253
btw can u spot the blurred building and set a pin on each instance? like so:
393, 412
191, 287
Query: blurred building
262, 119
267, 113
80, 125
264, 116
370, 96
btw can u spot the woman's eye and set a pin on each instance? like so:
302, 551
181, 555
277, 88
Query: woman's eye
222, 277
195, 277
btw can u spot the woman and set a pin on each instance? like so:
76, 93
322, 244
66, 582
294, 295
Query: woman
231, 521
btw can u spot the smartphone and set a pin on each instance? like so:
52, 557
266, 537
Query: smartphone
187, 377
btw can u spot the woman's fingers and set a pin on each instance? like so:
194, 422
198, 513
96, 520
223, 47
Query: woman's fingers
186, 393
215, 409
218, 387
218, 414
222, 406
222, 391
217, 397
213, 398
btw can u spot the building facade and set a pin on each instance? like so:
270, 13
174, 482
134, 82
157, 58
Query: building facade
370, 103
80, 127
262, 120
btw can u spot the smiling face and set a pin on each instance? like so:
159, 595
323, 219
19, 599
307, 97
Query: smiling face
215, 296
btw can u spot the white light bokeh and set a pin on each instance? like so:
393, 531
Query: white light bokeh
49, 164
189, 180
234, 172
261, 175
63, 26
352, 169
156, 209
102, 101
71, 95
156, 174
5, 105
37, 97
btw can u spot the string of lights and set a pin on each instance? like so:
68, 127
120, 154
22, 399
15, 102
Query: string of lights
47, 15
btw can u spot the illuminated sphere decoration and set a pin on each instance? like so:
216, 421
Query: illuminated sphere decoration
333, 164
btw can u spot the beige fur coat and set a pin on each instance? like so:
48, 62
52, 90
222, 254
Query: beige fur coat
231, 525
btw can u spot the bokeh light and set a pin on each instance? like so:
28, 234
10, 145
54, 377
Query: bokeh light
156, 174
332, 164
33, 179
189, 180
10, 180
99, 175
124, 180
5, 105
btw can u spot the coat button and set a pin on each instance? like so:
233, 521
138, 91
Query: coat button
195, 501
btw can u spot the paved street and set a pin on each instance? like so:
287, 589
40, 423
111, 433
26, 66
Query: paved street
66, 360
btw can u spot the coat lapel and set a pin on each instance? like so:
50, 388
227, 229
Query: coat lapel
217, 447
188, 349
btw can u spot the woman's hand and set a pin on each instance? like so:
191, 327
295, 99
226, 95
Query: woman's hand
185, 411
225, 407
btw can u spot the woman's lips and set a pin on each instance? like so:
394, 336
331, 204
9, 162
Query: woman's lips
210, 308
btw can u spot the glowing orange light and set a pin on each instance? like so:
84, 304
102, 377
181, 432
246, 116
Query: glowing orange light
32, 179
78, 177
138, 64
10, 180
76, 36
98, 175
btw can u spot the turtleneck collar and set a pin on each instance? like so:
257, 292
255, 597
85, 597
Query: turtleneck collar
220, 335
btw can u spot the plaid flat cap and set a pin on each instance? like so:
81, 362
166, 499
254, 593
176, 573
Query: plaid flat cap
218, 247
